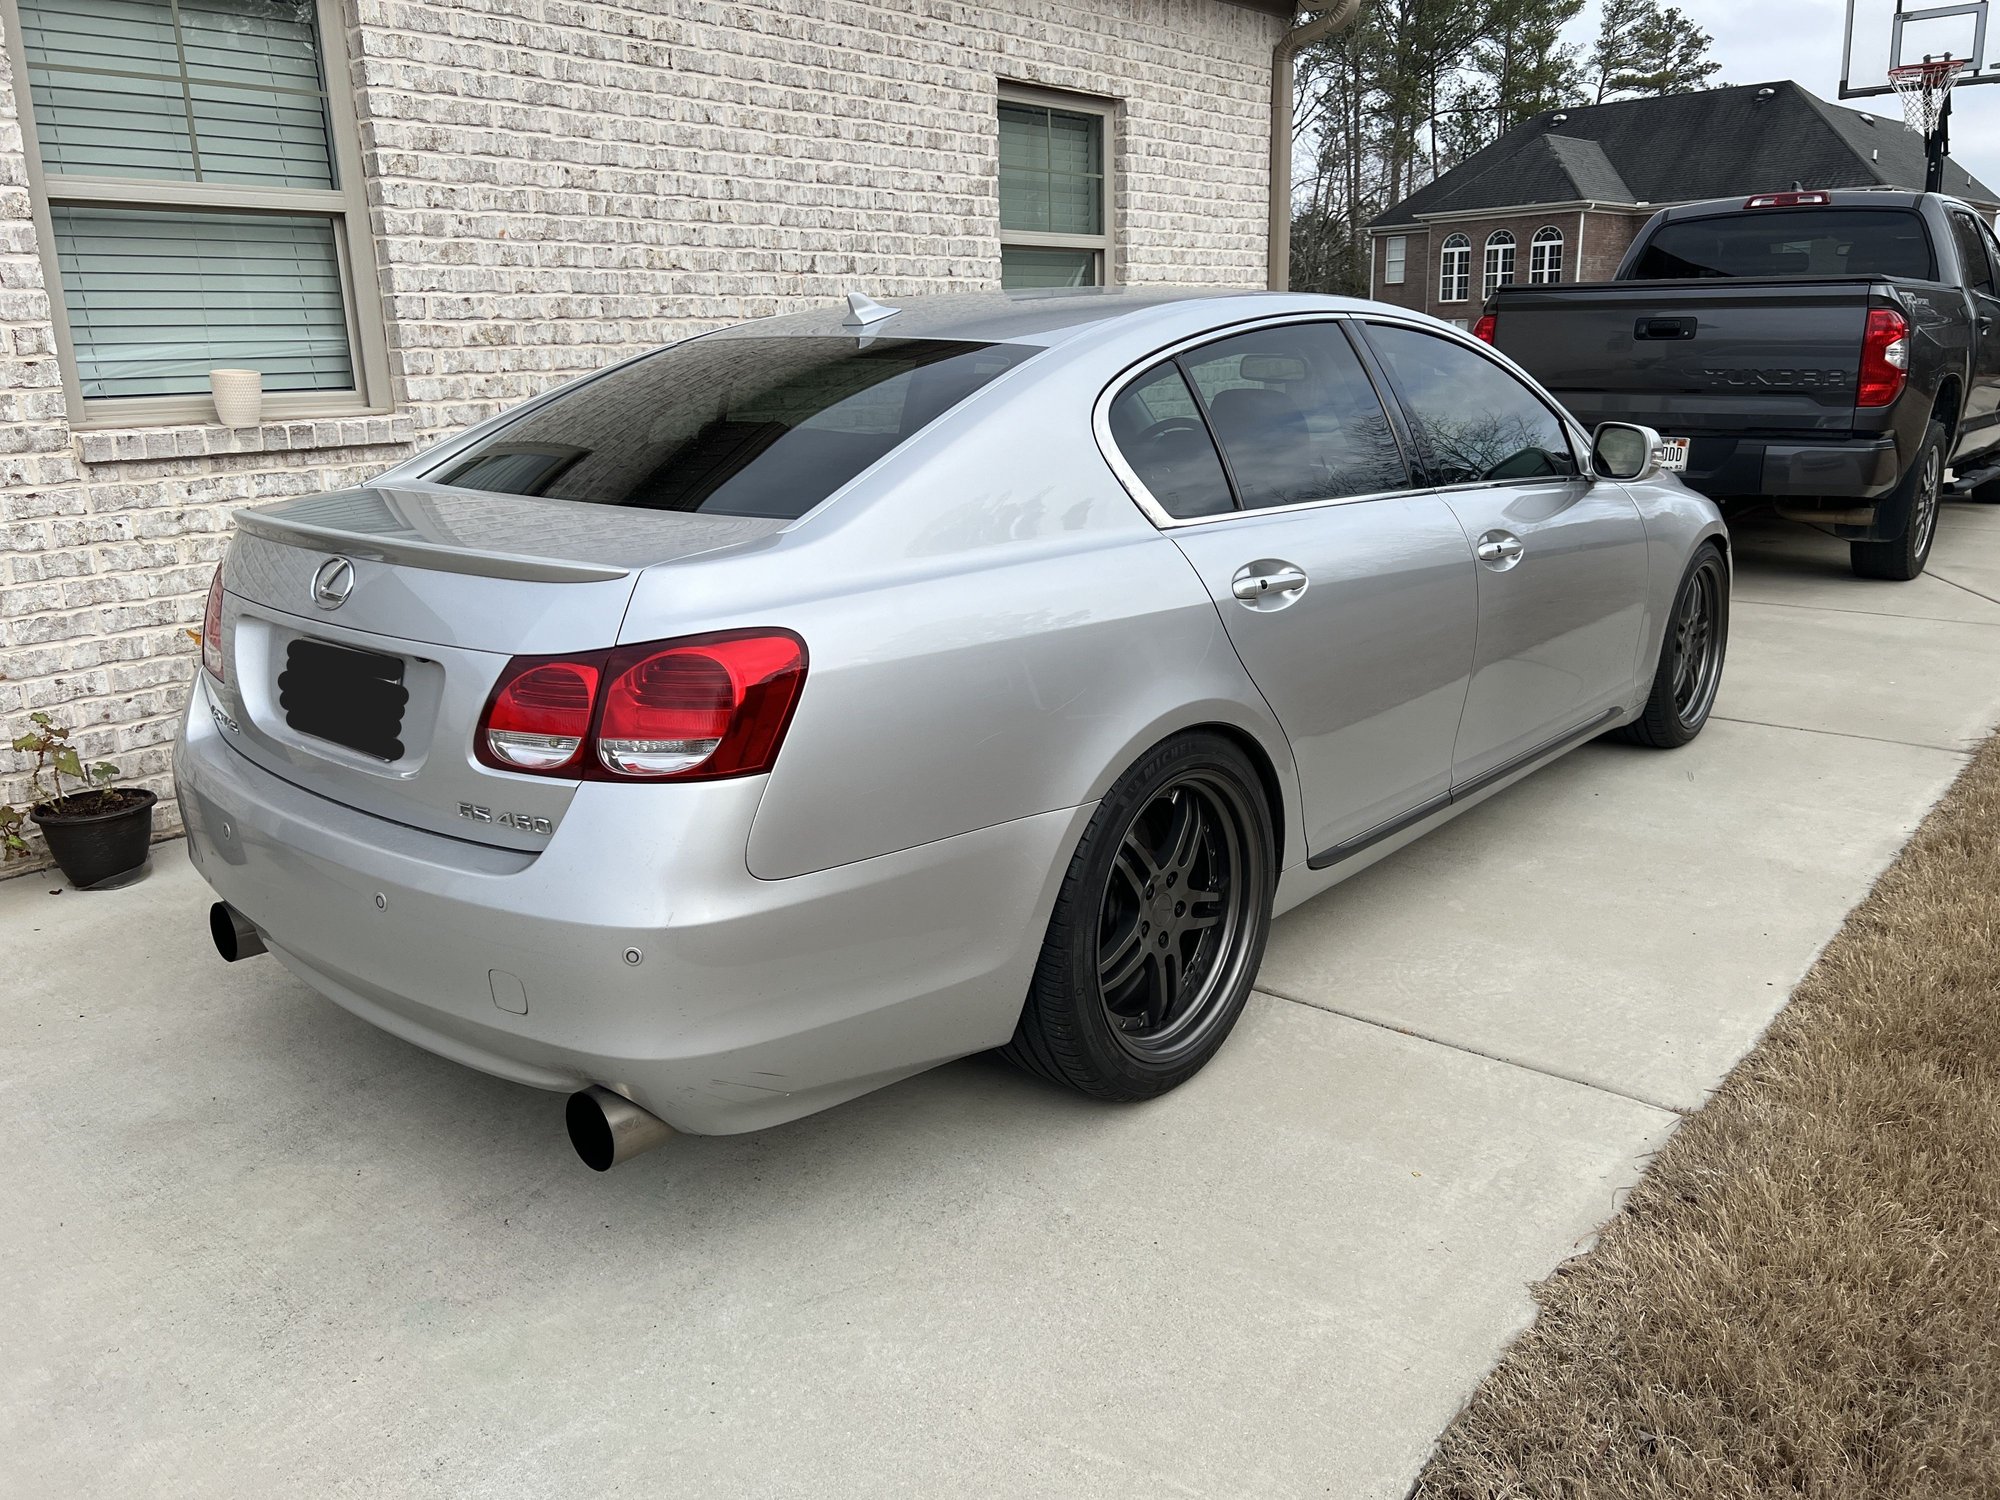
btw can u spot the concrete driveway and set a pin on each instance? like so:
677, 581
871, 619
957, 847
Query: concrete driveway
249, 1245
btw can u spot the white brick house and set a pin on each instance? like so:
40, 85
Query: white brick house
409, 213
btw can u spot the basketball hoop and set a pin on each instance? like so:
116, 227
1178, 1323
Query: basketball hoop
1924, 89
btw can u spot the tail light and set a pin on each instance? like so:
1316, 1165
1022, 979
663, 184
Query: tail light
1885, 358
697, 709
1483, 329
212, 661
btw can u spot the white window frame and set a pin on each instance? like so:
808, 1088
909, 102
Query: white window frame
345, 205
1499, 262
1395, 259
1545, 256
1106, 111
1455, 269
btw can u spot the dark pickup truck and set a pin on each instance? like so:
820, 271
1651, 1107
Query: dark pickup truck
1834, 354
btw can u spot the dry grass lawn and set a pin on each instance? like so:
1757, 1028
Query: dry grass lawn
1802, 1296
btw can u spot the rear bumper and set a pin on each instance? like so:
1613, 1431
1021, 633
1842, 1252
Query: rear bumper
1726, 468
751, 1002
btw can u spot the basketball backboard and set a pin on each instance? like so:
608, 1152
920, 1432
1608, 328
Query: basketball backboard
1882, 34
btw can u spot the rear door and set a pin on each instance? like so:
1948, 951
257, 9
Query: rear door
1348, 595
1560, 561
1982, 286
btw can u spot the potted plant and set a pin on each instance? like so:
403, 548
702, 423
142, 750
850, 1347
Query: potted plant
96, 831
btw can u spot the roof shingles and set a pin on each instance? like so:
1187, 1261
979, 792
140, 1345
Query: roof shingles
1681, 148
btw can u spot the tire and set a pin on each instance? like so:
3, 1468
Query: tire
1690, 669
1916, 499
1101, 1015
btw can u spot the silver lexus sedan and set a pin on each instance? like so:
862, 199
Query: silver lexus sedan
776, 715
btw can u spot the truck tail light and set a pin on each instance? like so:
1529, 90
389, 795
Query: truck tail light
698, 709
1885, 358
1483, 329
212, 660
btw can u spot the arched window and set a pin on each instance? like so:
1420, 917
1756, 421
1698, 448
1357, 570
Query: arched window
1545, 256
1499, 260
1455, 269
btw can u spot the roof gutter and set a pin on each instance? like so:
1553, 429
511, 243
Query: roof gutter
1323, 18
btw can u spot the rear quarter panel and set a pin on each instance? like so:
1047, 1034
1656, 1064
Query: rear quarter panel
993, 630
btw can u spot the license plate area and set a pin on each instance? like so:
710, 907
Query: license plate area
351, 697
1674, 454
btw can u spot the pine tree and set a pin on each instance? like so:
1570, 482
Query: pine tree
1643, 48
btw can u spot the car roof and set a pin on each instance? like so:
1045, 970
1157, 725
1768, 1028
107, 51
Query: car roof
1043, 318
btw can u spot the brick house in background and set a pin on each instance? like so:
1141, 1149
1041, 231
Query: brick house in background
409, 215
1561, 196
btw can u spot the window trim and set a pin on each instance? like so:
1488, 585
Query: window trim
1455, 265
345, 205
1103, 245
1540, 272
1135, 488
1494, 275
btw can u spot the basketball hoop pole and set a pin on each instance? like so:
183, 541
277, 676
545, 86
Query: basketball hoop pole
1937, 146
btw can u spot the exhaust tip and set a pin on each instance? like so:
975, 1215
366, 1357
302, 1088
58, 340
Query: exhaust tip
236, 936
607, 1128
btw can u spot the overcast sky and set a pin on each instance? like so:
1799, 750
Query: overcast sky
1760, 40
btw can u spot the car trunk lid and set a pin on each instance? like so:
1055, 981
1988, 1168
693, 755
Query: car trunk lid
363, 632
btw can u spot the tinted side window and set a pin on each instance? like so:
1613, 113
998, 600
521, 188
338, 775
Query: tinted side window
1159, 430
739, 426
1473, 420
1972, 252
1296, 415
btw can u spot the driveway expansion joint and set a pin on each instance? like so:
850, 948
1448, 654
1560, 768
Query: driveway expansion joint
1847, 734
1512, 1062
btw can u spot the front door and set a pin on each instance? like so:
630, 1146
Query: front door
1560, 561
1980, 429
1349, 598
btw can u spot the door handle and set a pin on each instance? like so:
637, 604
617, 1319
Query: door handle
1262, 580
1499, 549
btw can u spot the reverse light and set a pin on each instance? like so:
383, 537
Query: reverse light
212, 661
1885, 358
697, 709
1483, 329
1789, 200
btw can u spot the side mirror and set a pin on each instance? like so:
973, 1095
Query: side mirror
1625, 450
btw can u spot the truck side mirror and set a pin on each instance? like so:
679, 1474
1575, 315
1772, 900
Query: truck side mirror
1625, 450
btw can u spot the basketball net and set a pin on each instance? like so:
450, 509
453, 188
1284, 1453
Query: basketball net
1924, 87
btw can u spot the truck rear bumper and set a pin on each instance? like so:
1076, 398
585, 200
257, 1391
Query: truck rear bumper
1731, 468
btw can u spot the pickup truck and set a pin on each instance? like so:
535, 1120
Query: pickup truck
1834, 354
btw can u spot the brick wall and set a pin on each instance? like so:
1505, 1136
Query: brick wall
558, 183
1606, 234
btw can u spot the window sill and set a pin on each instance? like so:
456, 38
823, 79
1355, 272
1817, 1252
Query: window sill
112, 445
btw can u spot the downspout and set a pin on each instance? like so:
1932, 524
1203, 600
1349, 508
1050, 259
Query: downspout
1323, 18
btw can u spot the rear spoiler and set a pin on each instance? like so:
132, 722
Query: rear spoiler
397, 526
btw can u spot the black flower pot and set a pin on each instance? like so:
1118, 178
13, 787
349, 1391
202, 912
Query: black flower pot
96, 847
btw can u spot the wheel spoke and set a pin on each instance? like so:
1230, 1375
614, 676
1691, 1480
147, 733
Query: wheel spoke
1164, 1003
1135, 863
1184, 834
1204, 911
1122, 960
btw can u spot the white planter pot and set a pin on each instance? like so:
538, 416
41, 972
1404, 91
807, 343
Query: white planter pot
239, 397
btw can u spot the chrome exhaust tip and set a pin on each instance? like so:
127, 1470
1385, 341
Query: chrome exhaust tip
236, 936
608, 1128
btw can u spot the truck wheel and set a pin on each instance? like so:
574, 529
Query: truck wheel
1690, 668
1916, 500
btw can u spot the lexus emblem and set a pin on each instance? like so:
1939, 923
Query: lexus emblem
333, 583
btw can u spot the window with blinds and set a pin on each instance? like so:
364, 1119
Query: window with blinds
199, 213
1053, 200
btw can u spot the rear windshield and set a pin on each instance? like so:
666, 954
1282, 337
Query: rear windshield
1790, 242
731, 426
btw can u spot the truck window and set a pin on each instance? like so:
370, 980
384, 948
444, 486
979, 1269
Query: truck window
1972, 252
1790, 242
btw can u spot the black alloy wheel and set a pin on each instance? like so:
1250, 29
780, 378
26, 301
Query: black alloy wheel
1691, 654
1159, 926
